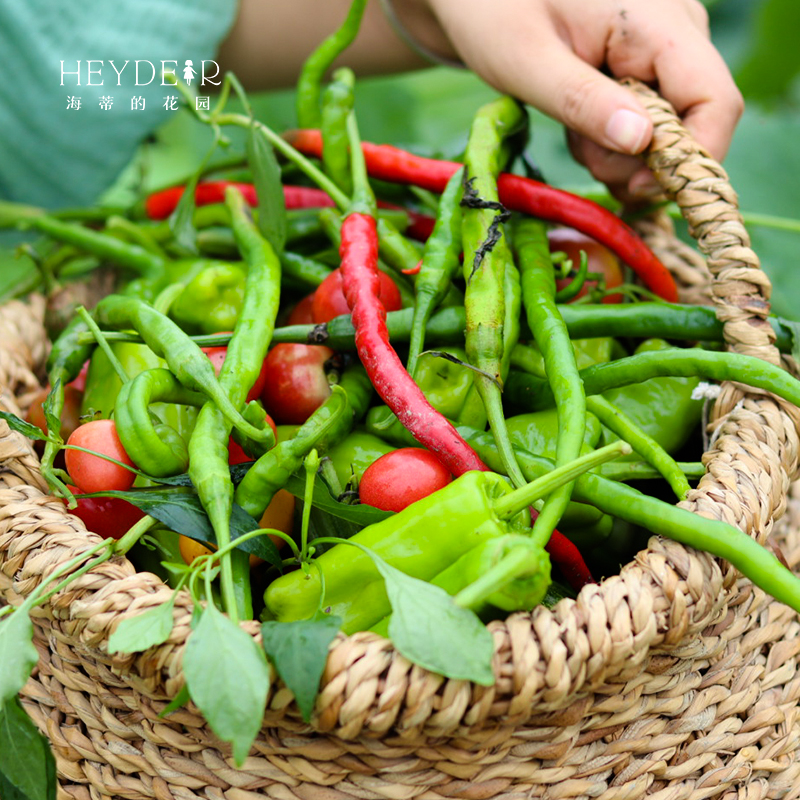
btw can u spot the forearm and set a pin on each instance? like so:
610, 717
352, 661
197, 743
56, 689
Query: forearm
272, 38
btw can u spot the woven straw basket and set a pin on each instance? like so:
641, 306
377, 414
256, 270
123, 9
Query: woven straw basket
676, 679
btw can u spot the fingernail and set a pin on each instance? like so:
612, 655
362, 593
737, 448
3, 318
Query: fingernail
627, 130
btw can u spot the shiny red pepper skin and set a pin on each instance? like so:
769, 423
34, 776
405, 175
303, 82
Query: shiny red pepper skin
517, 193
160, 205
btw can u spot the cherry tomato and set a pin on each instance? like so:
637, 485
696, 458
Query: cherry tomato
70, 415
329, 300
302, 313
295, 383
238, 456
216, 355
107, 516
92, 473
402, 477
279, 515
600, 258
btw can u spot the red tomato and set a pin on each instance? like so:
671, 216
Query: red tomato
402, 477
302, 313
107, 516
329, 300
296, 384
70, 415
600, 258
216, 355
92, 473
238, 456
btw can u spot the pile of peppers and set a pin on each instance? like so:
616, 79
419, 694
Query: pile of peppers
570, 426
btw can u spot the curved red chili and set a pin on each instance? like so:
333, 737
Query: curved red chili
517, 193
160, 205
359, 251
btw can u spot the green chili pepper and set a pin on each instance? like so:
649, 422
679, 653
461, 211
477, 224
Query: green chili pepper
440, 261
156, 448
212, 300
186, 360
422, 540
64, 363
662, 408
319, 62
208, 447
528, 357
552, 338
622, 426
337, 103
103, 386
270, 473
488, 266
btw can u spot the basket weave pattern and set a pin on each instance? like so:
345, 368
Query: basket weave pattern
675, 679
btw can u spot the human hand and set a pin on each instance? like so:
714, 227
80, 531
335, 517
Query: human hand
550, 53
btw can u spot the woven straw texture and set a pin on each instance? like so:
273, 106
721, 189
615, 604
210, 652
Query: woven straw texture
676, 679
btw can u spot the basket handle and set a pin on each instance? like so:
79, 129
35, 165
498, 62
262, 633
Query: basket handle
701, 188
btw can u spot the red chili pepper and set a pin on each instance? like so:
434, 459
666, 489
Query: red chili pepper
569, 560
359, 251
517, 193
160, 205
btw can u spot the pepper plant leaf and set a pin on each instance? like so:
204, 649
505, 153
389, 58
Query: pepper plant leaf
18, 656
152, 627
299, 651
269, 189
26, 762
428, 628
182, 512
358, 514
23, 427
228, 679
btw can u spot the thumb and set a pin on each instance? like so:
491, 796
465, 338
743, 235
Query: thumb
584, 100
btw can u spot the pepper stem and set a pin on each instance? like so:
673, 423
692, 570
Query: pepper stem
522, 559
513, 502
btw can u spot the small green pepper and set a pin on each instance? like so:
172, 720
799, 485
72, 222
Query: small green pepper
212, 300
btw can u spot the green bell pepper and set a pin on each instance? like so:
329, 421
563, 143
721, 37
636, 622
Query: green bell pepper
355, 453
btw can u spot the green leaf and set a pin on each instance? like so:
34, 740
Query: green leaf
18, 656
794, 327
269, 189
179, 701
228, 679
136, 634
773, 60
359, 514
181, 511
299, 651
20, 426
428, 628
8, 791
25, 758
52, 419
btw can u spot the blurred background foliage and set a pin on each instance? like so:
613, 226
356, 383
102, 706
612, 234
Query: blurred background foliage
430, 112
